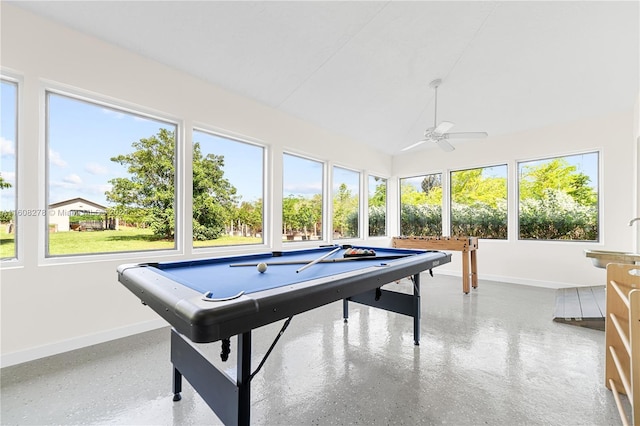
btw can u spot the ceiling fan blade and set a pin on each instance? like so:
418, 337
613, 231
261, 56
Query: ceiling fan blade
443, 127
466, 135
407, 148
444, 145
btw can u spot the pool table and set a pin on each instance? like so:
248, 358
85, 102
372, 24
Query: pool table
214, 299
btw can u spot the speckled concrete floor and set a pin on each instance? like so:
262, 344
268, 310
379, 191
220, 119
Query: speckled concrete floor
493, 357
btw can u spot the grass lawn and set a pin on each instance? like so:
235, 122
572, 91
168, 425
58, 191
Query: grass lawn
7, 242
124, 239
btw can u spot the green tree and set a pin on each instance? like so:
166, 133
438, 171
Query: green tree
470, 187
150, 188
379, 197
559, 175
557, 203
377, 209
409, 195
421, 210
214, 198
430, 183
249, 218
3, 183
289, 214
151, 183
344, 204
301, 214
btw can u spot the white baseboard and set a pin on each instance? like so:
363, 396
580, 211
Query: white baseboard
513, 280
43, 351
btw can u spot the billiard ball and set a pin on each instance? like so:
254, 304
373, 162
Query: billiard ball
262, 267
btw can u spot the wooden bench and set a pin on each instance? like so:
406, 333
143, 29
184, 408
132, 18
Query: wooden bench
467, 245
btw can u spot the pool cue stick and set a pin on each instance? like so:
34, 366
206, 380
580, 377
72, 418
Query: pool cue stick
318, 259
336, 260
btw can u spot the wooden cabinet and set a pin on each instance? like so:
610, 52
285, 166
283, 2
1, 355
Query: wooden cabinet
622, 337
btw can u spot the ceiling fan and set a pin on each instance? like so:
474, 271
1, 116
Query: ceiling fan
439, 132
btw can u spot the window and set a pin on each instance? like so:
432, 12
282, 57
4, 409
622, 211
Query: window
302, 181
8, 139
227, 191
479, 202
421, 205
110, 179
346, 203
558, 198
377, 206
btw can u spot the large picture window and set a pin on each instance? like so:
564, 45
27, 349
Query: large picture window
8, 139
301, 199
110, 179
377, 206
421, 205
227, 191
479, 202
558, 198
346, 203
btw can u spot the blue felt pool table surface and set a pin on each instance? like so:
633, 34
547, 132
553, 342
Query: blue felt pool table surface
218, 277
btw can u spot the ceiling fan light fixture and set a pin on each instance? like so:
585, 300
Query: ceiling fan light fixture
439, 132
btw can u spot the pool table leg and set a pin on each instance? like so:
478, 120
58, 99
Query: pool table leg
345, 310
244, 378
177, 384
416, 309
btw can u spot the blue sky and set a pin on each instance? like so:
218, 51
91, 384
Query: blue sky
243, 162
8, 128
82, 139
84, 136
301, 177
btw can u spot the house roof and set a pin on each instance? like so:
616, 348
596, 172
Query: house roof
77, 200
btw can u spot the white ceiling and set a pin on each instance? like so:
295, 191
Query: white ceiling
362, 69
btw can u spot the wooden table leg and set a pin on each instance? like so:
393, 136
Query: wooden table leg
474, 268
465, 272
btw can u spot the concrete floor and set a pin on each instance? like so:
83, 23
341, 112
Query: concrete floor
493, 357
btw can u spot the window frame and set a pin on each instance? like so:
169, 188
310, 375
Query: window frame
450, 197
599, 205
18, 253
118, 105
359, 209
444, 204
326, 202
266, 202
367, 207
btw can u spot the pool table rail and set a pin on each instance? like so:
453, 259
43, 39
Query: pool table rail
204, 321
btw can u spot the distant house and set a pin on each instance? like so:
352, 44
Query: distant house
61, 212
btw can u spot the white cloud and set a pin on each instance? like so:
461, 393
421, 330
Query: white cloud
303, 188
9, 177
55, 158
113, 113
7, 147
72, 179
96, 169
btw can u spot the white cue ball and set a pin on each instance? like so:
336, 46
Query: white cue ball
262, 267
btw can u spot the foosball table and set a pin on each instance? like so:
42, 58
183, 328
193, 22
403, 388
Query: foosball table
468, 246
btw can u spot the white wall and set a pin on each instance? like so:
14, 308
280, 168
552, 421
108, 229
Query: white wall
52, 305
549, 264
636, 138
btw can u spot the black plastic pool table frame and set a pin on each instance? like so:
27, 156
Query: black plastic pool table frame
230, 398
